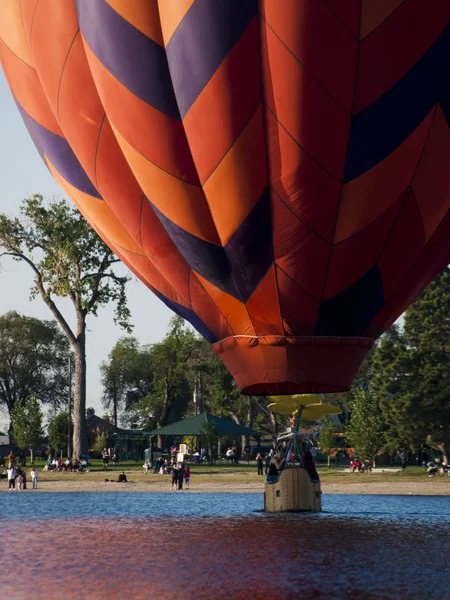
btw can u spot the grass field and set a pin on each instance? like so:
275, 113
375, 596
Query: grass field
223, 472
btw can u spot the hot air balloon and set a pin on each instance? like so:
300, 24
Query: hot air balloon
275, 172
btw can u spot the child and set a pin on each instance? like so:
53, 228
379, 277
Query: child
187, 476
34, 478
20, 480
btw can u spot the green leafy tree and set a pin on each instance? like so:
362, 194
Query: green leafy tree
327, 438
33, 356
58, 430
68, 260
27, 423
365, 432
171, 392
126, 377
411, 374
209, 436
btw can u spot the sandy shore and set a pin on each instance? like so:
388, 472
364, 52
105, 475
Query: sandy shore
218, 484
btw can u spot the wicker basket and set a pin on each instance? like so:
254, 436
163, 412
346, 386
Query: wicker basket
294, 491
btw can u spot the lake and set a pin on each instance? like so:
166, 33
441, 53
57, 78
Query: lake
118, 546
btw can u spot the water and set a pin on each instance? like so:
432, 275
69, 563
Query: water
201, 546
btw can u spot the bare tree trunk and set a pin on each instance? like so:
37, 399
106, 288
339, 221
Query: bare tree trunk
80, 440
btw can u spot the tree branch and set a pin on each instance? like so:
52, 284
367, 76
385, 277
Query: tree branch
45, 295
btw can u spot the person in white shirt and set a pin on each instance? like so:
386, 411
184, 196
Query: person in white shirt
12, 478
34, 478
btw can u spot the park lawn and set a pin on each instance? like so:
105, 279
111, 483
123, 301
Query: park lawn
224, 473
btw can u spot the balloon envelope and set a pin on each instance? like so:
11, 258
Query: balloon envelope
275, 172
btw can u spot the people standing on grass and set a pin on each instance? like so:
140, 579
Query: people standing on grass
174, 474
12, 478
187, 476
180, 476
105, 456
34, 478
259, 463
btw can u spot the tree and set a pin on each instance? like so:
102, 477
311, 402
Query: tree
326, 438
171, 391
68, 259
58, 430
210, 435
126, 377
27, 423
365, 431
411, 374
33, 356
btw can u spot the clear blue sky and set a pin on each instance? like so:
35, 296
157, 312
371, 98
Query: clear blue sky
22, 173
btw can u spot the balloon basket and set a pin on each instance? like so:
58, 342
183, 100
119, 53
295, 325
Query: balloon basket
294, 491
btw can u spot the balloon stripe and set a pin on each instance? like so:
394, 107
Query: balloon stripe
205, 258
381, 127
27, 90
202, 41
156, 136
375, 13
212, 127
134, 59
348, 314
393, 49
404, 245
142, 14
61, 155
190, 316
354, 257
381, 185
289, 92
250, 249
333, 70
431, 182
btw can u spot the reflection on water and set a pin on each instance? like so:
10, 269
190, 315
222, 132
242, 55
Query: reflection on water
120, 546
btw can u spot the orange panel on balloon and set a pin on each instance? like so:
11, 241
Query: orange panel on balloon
12, 32
27, 8
164, 254
80, 111
27, 89
428, 264
431, 182
239, 180
310, 192
299, 310
212, 126
290, 92
203, 305
347, 11
233, 310
329, 55
116, 183
143, 268
374, 13
365, 198
158, 137
142, 14
264, 308
307, 260
98, 212
404, 244
51, 52
171, 13
395, 47
355, 256
184, 204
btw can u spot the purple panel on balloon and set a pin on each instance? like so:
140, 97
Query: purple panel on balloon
60, 155
134, 59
